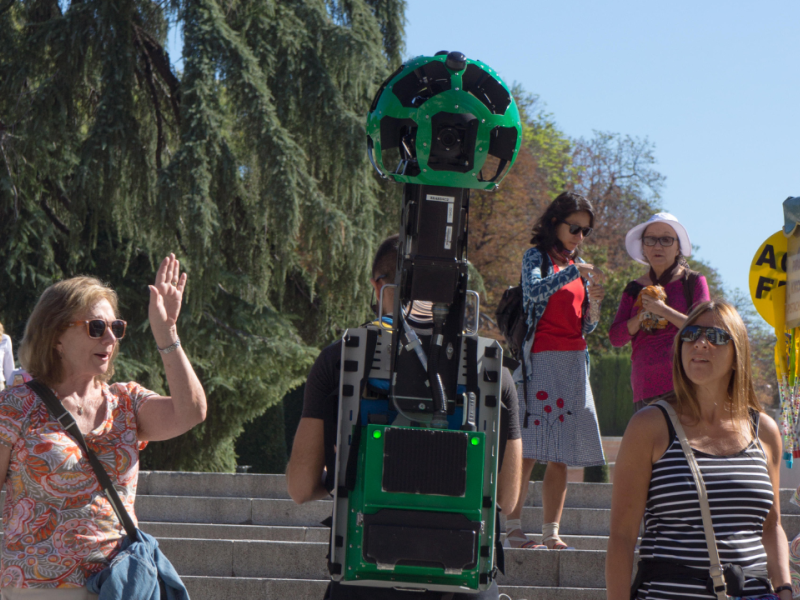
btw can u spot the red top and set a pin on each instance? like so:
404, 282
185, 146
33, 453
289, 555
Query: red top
559, 328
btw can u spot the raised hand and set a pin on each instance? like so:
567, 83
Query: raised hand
166, 296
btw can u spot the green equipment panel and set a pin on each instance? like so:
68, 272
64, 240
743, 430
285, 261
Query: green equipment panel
434, 538
420, 513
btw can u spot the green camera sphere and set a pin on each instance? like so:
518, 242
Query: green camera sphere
444, 120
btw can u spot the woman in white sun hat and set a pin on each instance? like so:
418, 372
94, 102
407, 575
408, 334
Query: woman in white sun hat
650, 322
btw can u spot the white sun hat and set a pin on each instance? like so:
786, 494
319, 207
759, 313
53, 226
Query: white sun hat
633, 239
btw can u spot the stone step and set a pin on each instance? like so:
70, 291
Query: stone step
229, 485
219, 485
252, 588
285, 513
205, 531
306, 561
232, 511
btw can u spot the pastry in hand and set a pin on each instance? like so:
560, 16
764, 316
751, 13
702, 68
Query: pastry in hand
650, 321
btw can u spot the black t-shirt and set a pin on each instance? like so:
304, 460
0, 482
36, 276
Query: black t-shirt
323, 380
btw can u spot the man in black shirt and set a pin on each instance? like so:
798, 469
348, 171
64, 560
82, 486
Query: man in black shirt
306, 474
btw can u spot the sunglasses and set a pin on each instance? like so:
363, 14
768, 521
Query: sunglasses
574, 228
714, 335
665, 241
96, 328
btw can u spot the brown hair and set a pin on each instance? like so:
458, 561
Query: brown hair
385, 262
544, 234
741, 392
57, 307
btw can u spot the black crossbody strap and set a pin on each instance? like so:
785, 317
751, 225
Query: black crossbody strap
66, 420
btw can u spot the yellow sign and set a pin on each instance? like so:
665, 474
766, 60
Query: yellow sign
767, 272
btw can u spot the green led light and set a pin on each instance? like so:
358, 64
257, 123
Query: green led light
475, 441
376, 434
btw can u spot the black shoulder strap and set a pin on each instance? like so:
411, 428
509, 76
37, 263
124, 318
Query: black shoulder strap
66, 420
633, 289
352, 458
689, 284
672, 434
755, 419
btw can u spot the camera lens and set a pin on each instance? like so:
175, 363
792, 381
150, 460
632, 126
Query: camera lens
448, 137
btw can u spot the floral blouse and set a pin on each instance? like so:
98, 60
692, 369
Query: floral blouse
59, 528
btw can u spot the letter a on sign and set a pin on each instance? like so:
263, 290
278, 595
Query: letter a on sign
767, 257
768, 272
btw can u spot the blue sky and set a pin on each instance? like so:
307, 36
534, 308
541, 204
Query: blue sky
714, 85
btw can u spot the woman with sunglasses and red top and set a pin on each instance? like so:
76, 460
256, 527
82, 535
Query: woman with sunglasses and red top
660, 243
738, 451
59, 528
556, 403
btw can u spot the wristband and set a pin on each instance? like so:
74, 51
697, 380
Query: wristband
782, 588
171, 348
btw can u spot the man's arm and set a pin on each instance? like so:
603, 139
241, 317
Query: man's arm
508, 480
306, 469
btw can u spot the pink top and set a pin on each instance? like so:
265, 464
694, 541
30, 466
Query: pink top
59, 528
651, 359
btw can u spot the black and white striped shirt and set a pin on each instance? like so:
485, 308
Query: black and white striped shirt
740, 496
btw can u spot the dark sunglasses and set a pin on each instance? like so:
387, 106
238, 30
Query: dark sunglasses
96, 328
714, 335
665, 241
574, 228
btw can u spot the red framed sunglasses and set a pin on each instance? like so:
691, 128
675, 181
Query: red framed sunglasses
96, 328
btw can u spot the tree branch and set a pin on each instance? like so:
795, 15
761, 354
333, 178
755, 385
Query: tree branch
58, 194
159, 59
6, 7
52, 216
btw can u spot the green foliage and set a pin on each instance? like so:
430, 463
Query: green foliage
262, 444
610, 377
551, 146
250, 166
596, 474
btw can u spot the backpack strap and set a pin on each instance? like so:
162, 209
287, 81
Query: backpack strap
633, 289
352, 459
689, 284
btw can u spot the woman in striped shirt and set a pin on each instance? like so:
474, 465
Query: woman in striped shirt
738, 450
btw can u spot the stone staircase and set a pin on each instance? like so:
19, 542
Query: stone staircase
240, 536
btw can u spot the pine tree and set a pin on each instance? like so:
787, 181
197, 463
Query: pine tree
249, 165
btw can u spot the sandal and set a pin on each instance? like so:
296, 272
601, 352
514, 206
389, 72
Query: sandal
517, 539
558, 544
550, 534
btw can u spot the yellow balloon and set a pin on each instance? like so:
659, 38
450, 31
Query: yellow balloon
767, 274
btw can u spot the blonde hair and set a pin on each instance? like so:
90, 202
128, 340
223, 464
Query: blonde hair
60, 304
741, 392
2, 331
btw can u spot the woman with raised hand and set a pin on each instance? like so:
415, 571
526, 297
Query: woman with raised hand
59, 528
654, 306
556, 402
738, 450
